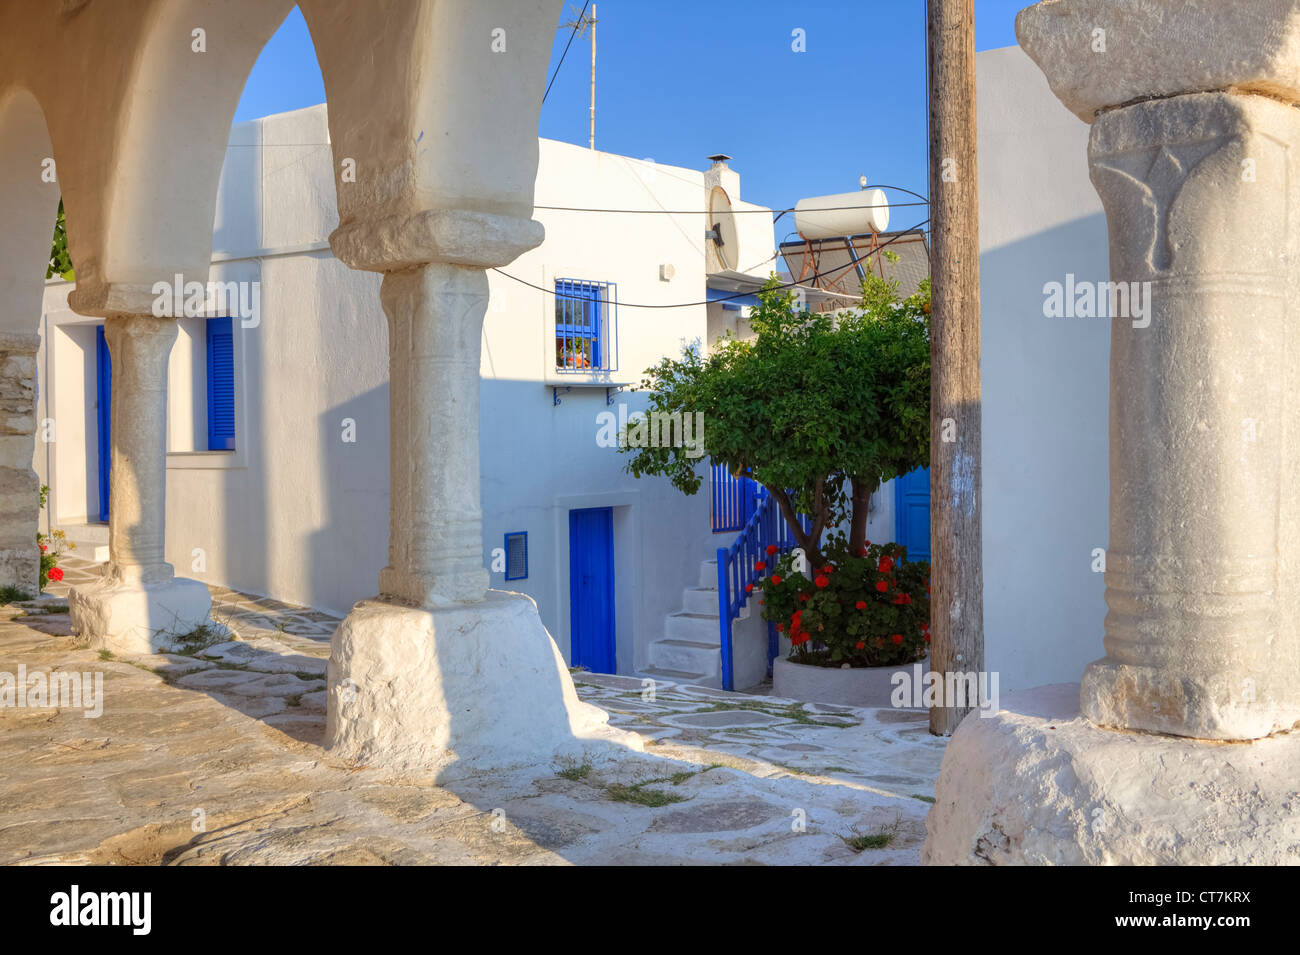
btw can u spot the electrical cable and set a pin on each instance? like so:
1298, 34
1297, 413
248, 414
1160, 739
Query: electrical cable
734, 212
566, 50
728, 298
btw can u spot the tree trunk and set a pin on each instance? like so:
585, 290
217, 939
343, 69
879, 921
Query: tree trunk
809, 543
862, 491
957, 578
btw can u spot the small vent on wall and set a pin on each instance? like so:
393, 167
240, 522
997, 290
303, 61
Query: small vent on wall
517, 555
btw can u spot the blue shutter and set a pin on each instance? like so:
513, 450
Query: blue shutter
104, 400
517, 555
221, 385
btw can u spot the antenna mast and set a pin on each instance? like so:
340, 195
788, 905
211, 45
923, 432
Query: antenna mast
581, 25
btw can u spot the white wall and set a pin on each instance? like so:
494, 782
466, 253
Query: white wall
300, 513
1045, 381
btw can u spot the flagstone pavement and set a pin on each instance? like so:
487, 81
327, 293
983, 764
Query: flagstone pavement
214, 756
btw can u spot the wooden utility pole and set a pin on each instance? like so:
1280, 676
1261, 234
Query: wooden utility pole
957, 577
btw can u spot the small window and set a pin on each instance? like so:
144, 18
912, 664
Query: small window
221, 384
584, 325
517, 555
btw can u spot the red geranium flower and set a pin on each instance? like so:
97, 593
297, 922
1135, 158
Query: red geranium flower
828, 569
776, 579
927, 638
861, 645
760, 566
821, 580
882, 586
861, 605
44, 548
780, 628
56, 573
886, 565
897, 638
749, 588
803, 597
771, 549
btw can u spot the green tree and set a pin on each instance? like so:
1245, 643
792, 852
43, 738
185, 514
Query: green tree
819, 408
60, 264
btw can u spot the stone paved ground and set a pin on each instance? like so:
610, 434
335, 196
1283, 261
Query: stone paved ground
214, 756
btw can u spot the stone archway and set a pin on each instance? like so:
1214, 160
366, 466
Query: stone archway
29, 196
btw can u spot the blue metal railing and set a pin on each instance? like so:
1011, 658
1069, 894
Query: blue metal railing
736, 571
734, 500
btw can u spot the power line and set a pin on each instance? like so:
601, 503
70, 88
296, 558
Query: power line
737, 212
572, 35
727, 298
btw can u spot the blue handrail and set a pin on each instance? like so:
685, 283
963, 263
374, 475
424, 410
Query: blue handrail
736, 571
734, 499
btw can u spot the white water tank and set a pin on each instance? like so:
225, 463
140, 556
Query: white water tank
843, 214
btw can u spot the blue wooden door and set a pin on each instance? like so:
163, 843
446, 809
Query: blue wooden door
104, 402
591, 588
912, 513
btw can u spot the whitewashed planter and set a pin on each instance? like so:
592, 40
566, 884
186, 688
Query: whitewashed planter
856, 686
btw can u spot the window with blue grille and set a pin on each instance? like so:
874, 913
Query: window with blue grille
584, 325
221, 384
517, 555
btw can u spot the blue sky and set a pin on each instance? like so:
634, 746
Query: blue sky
678, 80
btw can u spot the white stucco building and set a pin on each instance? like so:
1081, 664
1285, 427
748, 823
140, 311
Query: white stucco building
296, 501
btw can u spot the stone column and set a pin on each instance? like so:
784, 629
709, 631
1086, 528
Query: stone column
19, 487
139, 346
1201, 193
435, 539
1194, 154
438, 673
139, 605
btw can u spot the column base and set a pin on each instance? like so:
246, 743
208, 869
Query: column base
1162, 700
1038, 784
20, 568
455, 689
130, 617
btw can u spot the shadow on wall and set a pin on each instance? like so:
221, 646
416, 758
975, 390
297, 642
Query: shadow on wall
1046, 391
349, 548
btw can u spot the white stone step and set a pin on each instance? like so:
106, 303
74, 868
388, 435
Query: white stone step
709, 575
699, 600
685, 656
695, 627
680, 676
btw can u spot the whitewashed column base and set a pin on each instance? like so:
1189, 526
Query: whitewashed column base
1038, 784
456, 689
133, 616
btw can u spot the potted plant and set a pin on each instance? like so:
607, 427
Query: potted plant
853, 621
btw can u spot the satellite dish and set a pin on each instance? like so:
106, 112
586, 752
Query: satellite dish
721, 235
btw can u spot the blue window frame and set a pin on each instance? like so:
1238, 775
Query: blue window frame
221, 384
517, 555
583, 325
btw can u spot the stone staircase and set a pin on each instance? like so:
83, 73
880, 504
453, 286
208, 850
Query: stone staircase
690, 650
91, 541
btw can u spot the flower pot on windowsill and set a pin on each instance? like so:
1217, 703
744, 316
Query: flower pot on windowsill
852, 686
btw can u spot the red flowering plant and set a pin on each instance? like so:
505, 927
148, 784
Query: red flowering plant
51, 545
867, 609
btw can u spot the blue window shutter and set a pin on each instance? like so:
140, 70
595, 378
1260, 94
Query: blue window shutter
221, 385
581, 326
517, 555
